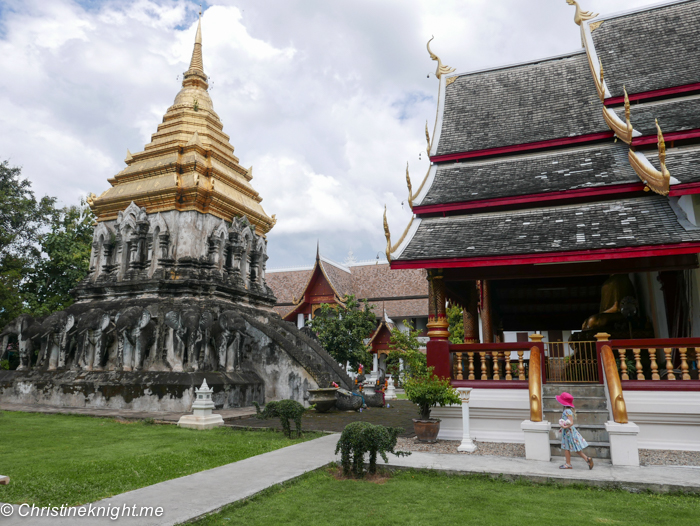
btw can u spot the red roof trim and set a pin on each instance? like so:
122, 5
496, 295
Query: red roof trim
671, 136
554, 257
523, 147
529, 198
684, 189
654, 93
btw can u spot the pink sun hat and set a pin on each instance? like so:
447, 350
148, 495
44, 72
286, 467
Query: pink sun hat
565, 399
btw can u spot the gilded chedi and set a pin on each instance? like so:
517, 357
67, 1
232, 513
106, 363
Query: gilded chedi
188, 165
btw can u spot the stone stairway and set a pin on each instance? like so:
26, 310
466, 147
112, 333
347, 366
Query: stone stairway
591, 415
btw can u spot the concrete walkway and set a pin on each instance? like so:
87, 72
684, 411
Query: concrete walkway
660, 479
127, 414
189, 497
193, 496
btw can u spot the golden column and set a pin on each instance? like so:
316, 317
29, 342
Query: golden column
486, 321
470, 316
437, 319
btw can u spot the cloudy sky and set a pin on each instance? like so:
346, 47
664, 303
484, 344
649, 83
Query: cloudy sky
328, 99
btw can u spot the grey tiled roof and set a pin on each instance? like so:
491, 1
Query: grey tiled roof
558, 170
652, 49
673, 115
641, 221
682, 163
527, 103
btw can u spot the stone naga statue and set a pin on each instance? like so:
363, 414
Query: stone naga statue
92, 326
18, 327
134, 333
54, 331
228, 338
191, 337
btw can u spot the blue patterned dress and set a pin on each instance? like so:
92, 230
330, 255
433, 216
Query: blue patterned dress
571, 439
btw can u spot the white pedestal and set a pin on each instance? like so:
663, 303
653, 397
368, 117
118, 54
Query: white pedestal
537, 440
467, 444
203, 418
390, 390
200, 422
624, 450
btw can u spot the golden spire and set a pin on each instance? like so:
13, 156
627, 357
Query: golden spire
441, 70
410, 189
579, 15
427, 138
196, 62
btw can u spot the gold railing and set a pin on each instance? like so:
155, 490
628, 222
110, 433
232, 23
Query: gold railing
571, 362
489, 365
639, 363
613, 380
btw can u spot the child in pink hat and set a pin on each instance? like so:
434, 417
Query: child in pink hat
571, 439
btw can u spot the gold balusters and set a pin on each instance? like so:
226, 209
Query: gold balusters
638, 364
669, 365
684, 363
623, 364
509, 370
482, 355
470, 355
654, 365
496, 371
521, 365
458, 356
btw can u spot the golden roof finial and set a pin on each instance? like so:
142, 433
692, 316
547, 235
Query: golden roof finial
602, 74
427, 137
389, 247
658, 181
581, 16
627, 108
441, 70
410, 188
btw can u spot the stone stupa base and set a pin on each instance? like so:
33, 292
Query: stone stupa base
200, 422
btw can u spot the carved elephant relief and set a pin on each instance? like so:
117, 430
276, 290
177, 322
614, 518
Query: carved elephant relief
92, 329
54, 336
191, 338
134, 335
18, 327
228, 338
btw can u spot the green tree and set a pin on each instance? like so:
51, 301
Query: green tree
341, 330
64, 261
405, 346
456, 321
22, 220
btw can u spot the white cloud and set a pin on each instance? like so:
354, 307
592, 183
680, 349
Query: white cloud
327, 99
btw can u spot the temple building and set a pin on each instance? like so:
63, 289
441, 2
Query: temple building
398, 298
561, 186
561, 206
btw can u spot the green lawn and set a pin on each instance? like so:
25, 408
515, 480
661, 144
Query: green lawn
67, 459
424, 498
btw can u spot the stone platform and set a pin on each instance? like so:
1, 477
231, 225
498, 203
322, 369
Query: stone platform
147, 391
171, 417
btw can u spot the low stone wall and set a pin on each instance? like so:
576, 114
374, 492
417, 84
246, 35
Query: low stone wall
142, 391
495, 416
666, 419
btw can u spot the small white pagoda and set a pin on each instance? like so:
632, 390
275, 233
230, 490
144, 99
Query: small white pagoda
202, 417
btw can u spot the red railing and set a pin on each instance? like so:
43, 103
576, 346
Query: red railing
650, 364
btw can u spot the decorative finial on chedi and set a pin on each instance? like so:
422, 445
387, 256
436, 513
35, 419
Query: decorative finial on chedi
441, 70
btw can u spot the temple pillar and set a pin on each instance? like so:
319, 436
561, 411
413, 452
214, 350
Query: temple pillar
486, 318
470, 317
437, 318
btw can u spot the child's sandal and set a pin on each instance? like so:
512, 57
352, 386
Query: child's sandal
566, 466
590, 463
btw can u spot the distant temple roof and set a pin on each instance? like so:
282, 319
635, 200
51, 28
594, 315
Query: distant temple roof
189, 163
537, 157
400, 294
